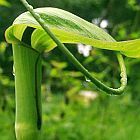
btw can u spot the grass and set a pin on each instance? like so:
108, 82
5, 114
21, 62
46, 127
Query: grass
115, 119
101, 119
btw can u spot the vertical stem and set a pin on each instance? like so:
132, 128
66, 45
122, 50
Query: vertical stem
27, 63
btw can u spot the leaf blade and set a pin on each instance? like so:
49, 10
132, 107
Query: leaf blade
70, 29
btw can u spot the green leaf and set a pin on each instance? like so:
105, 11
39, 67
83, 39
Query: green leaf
69, 29
4, 3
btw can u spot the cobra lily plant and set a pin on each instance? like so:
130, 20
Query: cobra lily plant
50, 28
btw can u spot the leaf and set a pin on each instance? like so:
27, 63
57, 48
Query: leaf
69, 29
4, 3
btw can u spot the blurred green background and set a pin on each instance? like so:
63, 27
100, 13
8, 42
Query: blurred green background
73, 108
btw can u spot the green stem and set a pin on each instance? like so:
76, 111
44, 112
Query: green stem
76, 63
27, 63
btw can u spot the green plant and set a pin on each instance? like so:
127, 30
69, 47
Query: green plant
4, 3
52, 26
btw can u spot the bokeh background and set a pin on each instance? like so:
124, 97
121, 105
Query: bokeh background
73, 108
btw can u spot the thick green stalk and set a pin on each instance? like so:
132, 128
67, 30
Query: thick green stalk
27, 63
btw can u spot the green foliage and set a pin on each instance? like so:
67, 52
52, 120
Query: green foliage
4, 3
98, 120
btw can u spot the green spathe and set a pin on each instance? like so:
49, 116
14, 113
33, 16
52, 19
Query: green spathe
68, 28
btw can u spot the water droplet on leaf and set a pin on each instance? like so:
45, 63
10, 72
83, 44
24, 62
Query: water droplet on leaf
121, 74
87, 79
13, 71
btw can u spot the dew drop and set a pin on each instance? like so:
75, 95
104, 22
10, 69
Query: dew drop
121, 74
87, 79
13, 71
13, 74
